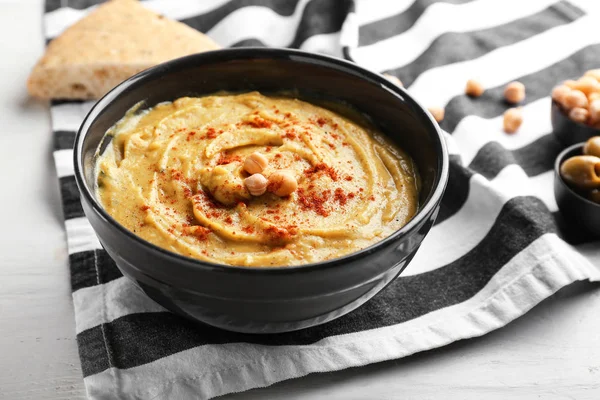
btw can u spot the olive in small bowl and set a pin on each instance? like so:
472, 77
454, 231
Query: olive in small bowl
577, 185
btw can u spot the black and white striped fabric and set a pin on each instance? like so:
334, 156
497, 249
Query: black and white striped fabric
498, 248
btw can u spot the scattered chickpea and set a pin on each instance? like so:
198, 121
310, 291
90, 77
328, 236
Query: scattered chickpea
474, 88
282, 183
578, 114
513, 118
437, 113
256, 184
595, 111
570, 83
560, 92
255, 163
575, 99
514, 92
394, 79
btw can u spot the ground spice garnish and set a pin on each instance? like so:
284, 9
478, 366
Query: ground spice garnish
290, 134
348, 178
322, 167
259, 122
145, 208
189, 135
268, 149
281, 234
211, 133
340, 196
312, 201
229, 220
321, 121
248, 229
226, 158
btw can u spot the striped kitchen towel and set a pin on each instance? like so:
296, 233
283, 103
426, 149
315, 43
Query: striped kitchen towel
499, 246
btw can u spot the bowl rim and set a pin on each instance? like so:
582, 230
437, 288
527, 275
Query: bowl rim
298, 56
559, 161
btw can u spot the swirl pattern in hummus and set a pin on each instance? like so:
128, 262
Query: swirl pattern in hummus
173, 175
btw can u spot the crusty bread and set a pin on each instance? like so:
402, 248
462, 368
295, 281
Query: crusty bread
112, 43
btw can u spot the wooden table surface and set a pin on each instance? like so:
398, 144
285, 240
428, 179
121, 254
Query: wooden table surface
552, 353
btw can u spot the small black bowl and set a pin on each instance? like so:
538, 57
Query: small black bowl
567, 131
266, 300
578, 210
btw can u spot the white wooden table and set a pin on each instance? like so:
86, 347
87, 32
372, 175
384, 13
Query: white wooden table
552, 353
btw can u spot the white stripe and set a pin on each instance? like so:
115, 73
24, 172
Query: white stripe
273, 29
327, 43
441, 18
462, 232
55, 22
63, 160
538, 271
473, 132
438, 85
369, 11
121, 294
80, 235
69, 116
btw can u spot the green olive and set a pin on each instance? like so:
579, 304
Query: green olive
595, 196
582, 172
592, 146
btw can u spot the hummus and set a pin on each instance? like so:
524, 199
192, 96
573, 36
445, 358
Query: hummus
173, 175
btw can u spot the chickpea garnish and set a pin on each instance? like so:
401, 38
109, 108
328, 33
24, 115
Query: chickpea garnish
594, 73
575, 99
437, 113
394, 79
592, 147
513, 118
579, 114
514, 92
256, 184
282, 183
255, 163
474, 88
587, 85
595, 196
560, 92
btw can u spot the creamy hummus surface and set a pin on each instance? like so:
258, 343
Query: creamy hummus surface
174, 176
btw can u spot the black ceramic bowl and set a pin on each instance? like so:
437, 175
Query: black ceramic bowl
579, 211
266, 300
567, 131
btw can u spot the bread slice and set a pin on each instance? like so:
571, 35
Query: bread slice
112, 43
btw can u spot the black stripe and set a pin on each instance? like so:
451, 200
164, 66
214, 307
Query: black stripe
535, 158
321, 17
58, 102
457, 190
70, 197
91, 268
249, 43
64, 140
454, 47
207, 21
94, 353
395, 25
538, 84
137, 339
52, 5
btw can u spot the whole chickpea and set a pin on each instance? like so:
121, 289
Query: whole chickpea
587, 85
592, 147
474, 88
256, 184
593, 96
255, 163
282, 183
595, 196
575, 99
513, 118
514, 92
559, 93
594, 111
580, 115
594, 73
437, 113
